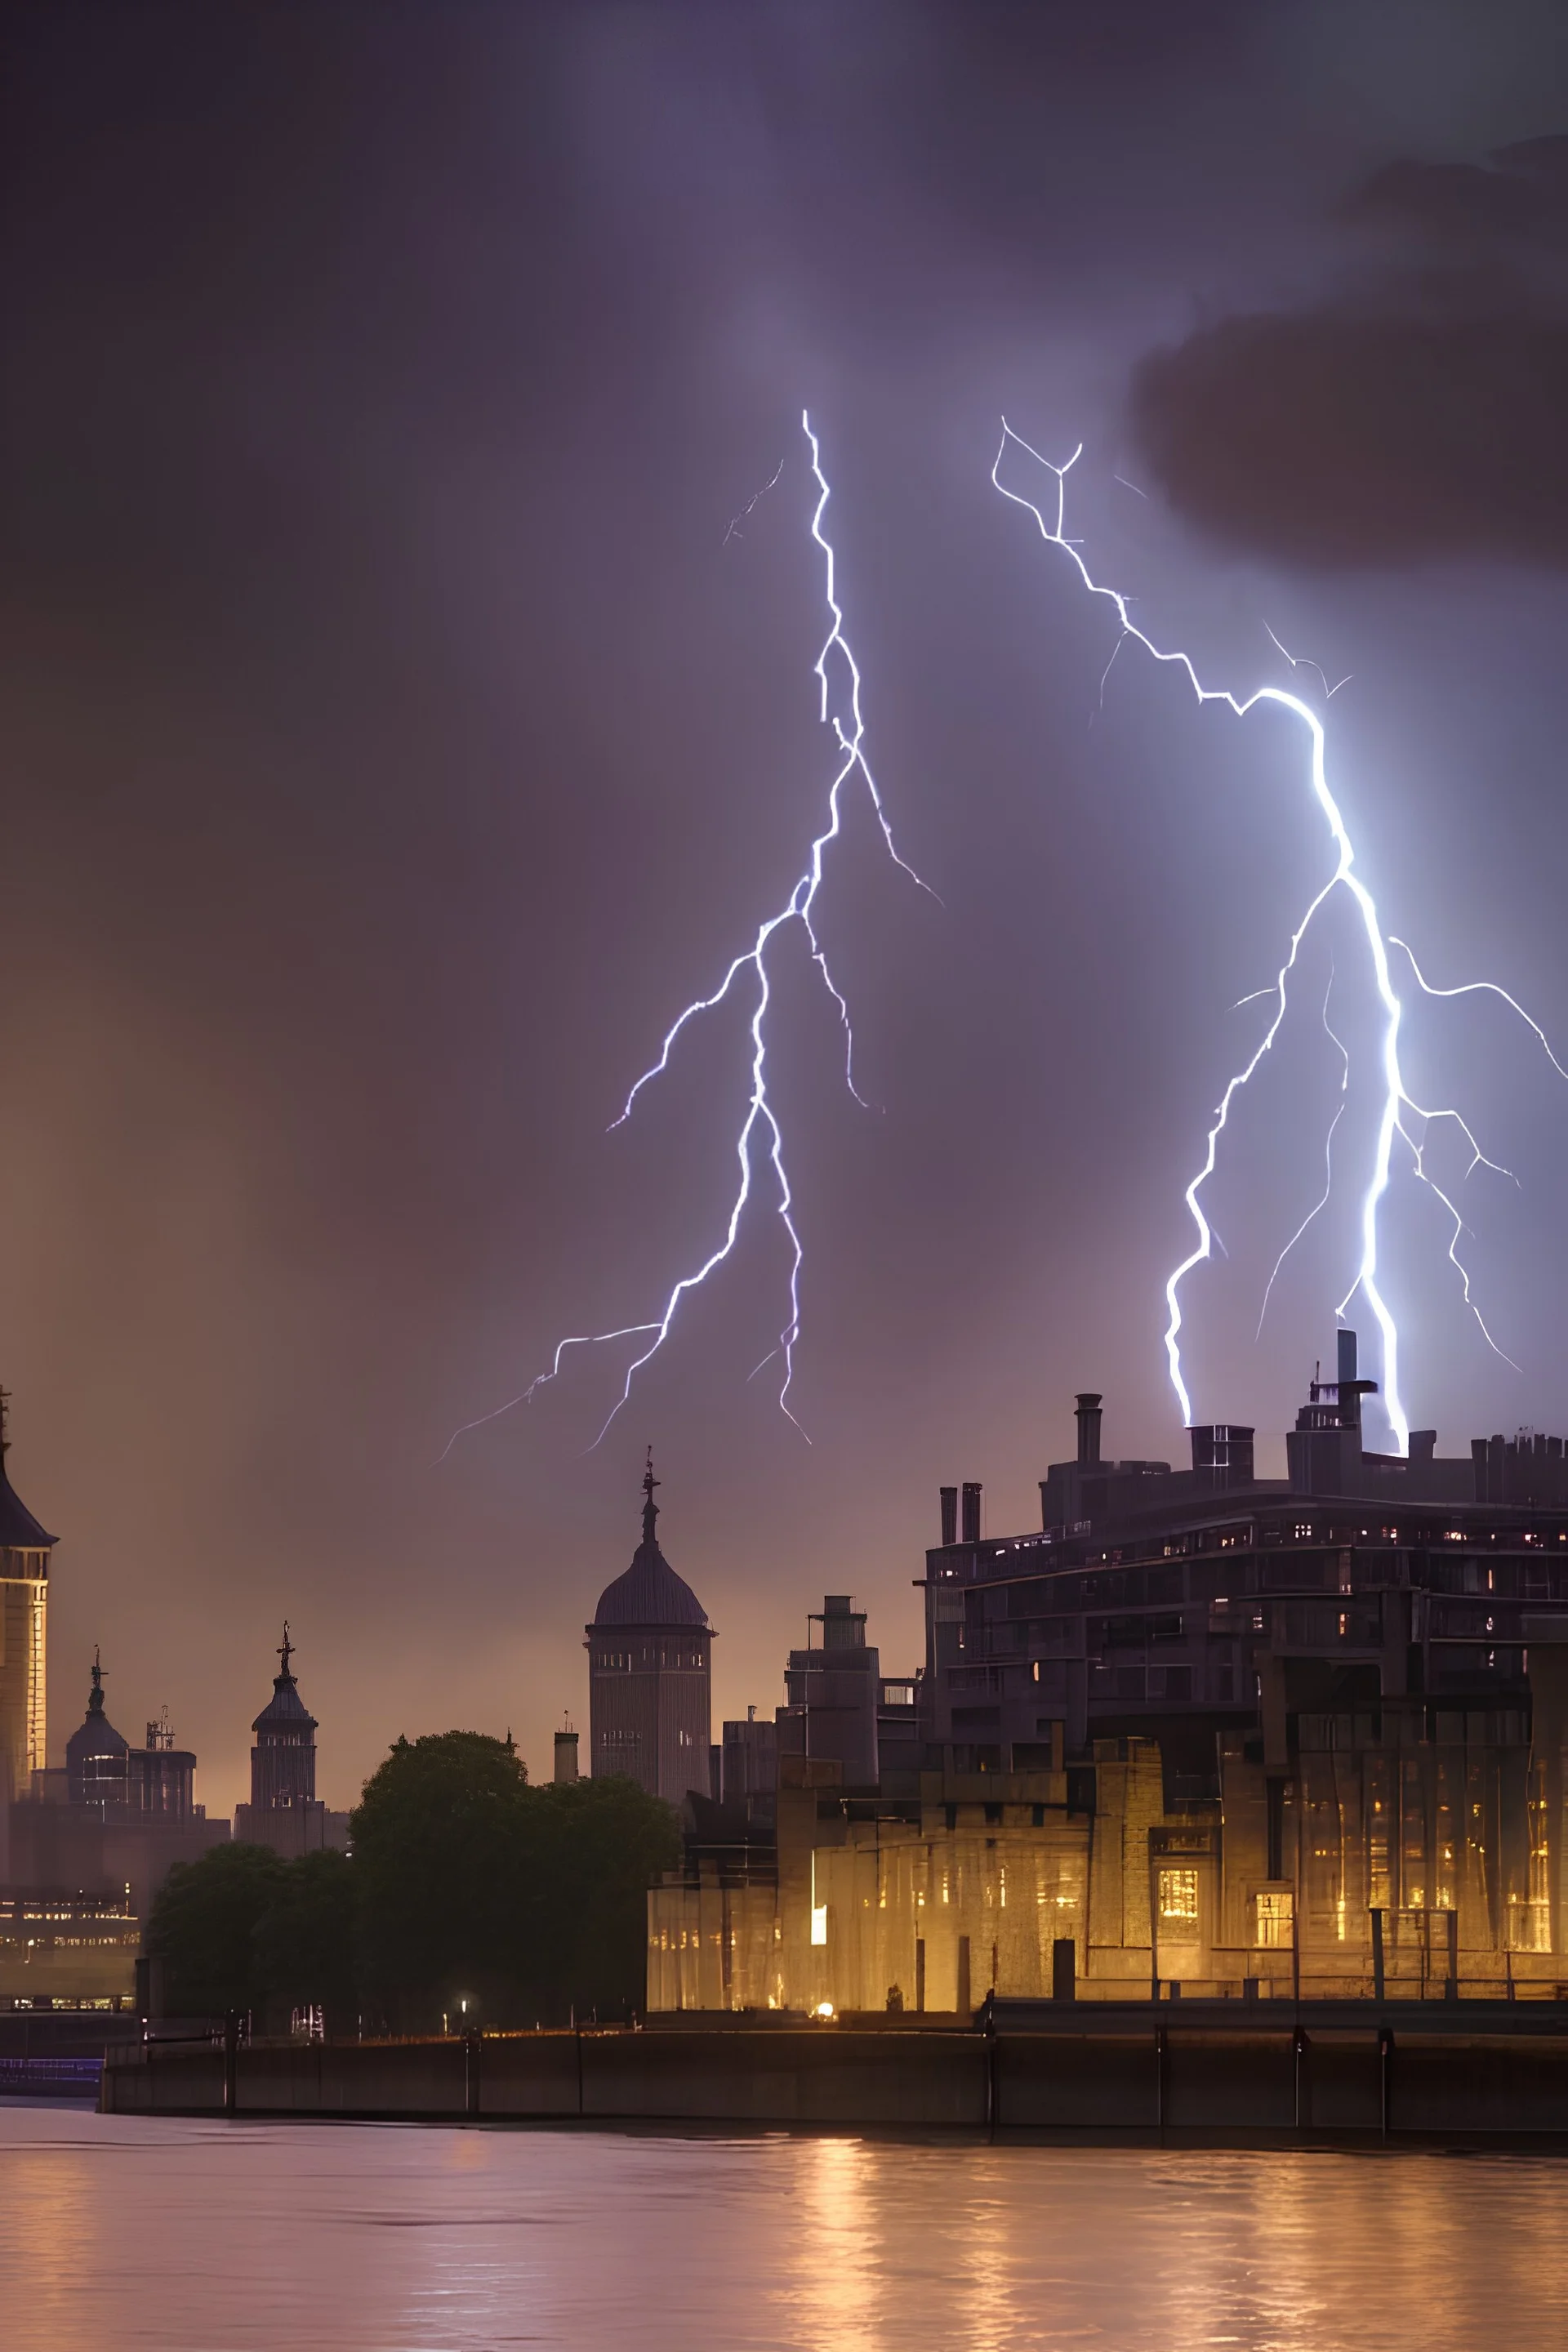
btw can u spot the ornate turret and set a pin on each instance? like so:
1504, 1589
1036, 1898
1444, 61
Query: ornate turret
283, 1760
285, 1811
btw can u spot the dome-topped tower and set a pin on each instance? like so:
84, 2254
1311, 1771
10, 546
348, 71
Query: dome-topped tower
650, 1673
284, 1812
283, 1760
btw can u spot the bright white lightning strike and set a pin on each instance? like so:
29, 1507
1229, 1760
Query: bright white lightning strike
1397, 1102
760, 1139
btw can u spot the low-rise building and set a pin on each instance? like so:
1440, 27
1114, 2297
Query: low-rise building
60, 1946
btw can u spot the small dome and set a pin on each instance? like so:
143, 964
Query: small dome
98, 1758
96, 1736
650, 1593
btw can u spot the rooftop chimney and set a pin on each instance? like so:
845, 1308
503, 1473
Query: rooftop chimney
949, 1515
1222, 1451
1089, 1430
1347, 1370
843, 1626
970, 1512
1423, 1445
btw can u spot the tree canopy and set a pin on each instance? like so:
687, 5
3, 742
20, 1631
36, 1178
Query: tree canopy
203, 1927
527, 1902
465, 1883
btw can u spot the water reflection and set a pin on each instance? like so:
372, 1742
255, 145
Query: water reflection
366, 2238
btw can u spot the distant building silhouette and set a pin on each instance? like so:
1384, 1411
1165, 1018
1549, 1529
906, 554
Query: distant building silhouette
97, 1836
649, 1667
284, 1812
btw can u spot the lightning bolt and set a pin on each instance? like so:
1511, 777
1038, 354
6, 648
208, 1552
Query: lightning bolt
734, 530
1398, 1105
759, 1142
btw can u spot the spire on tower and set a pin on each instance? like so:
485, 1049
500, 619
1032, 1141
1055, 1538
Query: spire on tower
650, 1508
95, 1700
286, 1651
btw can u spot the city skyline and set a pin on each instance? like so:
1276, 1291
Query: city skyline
413, 702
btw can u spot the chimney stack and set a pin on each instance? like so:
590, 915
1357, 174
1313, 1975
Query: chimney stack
970, 1512
949, 1516
1089, 1430
1347, 1370
1222, 1451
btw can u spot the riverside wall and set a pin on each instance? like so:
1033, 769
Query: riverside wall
1137, 2072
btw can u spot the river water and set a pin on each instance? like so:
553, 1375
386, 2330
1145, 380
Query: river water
117, 2233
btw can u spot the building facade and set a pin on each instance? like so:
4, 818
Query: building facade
103, 1832
1198, 1729
649, 1673
285, 1811
104, 1771
25, 1549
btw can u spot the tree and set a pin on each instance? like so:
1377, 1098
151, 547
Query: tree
307, 1941
594, 1848
527, 1902
437, 1839
203, 1925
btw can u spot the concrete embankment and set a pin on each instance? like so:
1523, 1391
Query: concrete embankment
1207, 2074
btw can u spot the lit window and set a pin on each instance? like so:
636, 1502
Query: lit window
1179, 1894
819, 1923
1275, 1915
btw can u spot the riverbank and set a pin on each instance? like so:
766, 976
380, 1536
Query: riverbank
1202, 2074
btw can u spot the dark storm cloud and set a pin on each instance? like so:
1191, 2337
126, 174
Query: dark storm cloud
1454, 201
1418, 416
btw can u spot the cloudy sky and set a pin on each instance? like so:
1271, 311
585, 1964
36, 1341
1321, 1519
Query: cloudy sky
397, 736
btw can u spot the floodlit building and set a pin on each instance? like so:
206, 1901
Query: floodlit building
285, 1811
25, 1548
1198, 1730
78, 1951
649, 1673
